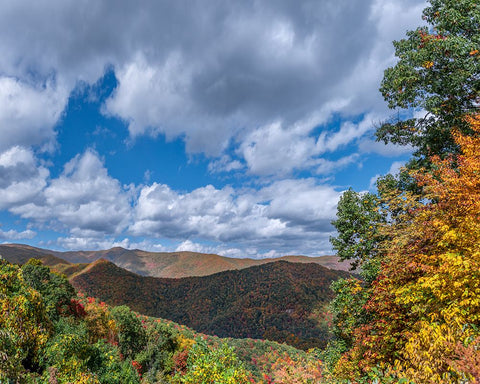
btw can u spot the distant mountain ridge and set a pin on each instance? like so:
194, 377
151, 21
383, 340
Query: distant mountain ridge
279, 301
157, 264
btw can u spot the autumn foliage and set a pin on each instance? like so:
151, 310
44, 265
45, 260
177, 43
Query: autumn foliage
425, 303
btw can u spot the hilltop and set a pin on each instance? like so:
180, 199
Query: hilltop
279, 301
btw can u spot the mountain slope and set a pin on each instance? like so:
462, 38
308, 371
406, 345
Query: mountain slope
279, 301
20, 254
163, 264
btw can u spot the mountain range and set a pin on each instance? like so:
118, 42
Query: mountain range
156, 264
282, 299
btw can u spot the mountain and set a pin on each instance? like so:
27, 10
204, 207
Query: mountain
160, 264
20, 254
279, 301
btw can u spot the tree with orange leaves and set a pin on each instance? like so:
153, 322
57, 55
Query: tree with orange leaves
426, 300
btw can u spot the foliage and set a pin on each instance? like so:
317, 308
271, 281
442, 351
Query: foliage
24, 325
99, 321
212, 366
69, 352
156, 358
426, 302
44, 335
348, 310
289, 371
437, 72
131, 333
278, 301
358, 218
55, 289
86, 341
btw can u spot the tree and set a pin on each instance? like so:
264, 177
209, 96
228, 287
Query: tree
132, 336
209, 366
425, 301
358, 218
55, 289
24, 324
438, 72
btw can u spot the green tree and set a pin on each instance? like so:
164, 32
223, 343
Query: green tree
438, 71
131, 334
55, 289
156, 358
357, 223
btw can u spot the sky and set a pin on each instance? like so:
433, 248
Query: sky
220, 126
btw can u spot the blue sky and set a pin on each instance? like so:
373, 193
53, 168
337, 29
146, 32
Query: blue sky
222, 127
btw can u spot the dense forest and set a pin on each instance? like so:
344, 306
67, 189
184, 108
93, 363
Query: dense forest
278, 301
49, 334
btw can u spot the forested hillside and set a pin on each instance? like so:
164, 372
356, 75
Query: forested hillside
48, 334
279, 301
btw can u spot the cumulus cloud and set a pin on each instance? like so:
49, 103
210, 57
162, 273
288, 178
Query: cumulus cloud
224, 250
326, 167
15, 235
22, 179
394, 170
224, 164
254, 85
270, 66
91, 243
285, 214
275, 149
278, 150
84, 198
96, 210
28, 113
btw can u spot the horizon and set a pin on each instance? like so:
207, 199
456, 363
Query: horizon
161, 252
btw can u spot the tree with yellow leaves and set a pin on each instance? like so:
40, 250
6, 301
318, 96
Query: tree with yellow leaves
426, 300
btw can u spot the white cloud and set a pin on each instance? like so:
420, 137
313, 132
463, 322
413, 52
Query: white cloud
278, 150
325, 167
22, 179
395, 167
286, 213
96, 210
275, 149
206, 72
190, 246
260, 80
15, 235
394, 170
224, 164
349, 132
379, 147
141, 83
28, 113
84, 198
223, 250
270, 66
91, 243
